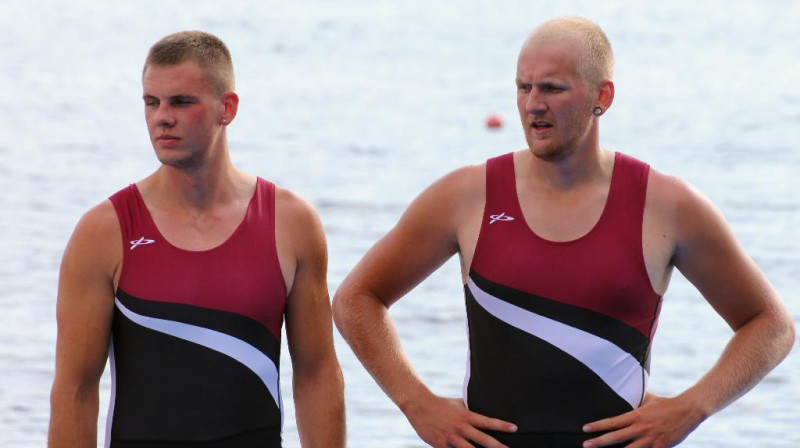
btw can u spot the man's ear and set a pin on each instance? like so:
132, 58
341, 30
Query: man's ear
230, 101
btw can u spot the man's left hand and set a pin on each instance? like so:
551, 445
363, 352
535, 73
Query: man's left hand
659, 423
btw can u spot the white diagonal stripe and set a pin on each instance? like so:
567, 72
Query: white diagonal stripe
616, 367
113, 398
237, 349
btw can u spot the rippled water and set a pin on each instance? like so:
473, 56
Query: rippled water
358, 105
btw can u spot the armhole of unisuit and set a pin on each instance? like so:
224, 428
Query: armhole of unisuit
121, 202
272, 192
492, 166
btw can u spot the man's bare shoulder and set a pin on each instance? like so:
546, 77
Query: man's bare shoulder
298, 227
96, 243
465, 181
100, 223
293, 209
672, 194
300, 239
683, 212
457, 193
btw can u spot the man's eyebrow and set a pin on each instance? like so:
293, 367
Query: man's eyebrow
172, 97
541, 82
549, 82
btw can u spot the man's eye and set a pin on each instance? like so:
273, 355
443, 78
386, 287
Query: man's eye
524, 87
552, 88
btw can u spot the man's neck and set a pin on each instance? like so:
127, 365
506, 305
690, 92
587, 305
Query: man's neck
200, 188
584, 166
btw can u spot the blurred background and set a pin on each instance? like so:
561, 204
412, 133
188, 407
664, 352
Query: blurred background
357, 106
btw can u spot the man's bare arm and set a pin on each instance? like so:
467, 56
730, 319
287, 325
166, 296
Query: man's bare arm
423, 239
708, 255
84, 311
317, 378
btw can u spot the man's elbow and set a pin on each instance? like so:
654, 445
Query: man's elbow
350, 304
340, 306
74, 392
783, 332
791, 334
322, 375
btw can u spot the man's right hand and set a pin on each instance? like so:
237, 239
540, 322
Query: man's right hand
447, 423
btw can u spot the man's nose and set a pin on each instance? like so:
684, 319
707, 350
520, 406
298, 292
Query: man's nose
534, 102
165, 117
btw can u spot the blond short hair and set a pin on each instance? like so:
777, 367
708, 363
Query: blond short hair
204, 49
596, 62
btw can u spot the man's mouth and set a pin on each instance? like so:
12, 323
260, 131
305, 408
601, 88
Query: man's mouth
541, 125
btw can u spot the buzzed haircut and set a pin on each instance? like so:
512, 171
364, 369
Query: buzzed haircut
597, 61
204, 49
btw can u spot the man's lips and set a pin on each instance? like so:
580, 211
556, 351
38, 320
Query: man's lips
167, 141
541, 125
540, 128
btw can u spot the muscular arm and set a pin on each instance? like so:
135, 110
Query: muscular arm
84, 311
425, 237
735, 287
317, 378
708, 255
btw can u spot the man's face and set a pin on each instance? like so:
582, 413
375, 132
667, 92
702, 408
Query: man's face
183, 113
554, 103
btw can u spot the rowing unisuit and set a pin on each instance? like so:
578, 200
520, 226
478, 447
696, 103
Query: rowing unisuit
196, 334
559, 332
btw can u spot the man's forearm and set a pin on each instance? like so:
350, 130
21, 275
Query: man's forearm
755, 349
73, 422
365, 324
319, 403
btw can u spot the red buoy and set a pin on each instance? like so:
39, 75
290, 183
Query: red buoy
494, 121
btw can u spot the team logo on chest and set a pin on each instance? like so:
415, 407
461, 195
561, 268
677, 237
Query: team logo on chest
141, 242
501, 217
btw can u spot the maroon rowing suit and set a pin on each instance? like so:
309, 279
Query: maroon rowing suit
559, 332
196, 334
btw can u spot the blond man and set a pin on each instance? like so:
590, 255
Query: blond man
566, 250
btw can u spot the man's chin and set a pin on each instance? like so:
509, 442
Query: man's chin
549, 153
175, 161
